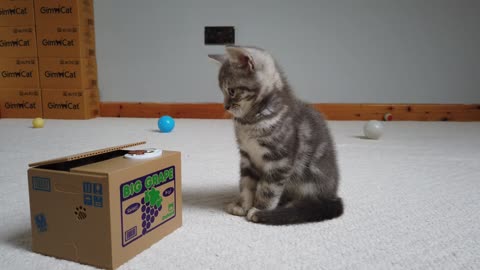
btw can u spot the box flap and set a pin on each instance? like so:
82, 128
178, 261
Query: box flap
116, 164
85, 154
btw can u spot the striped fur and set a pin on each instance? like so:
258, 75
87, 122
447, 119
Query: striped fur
288, 168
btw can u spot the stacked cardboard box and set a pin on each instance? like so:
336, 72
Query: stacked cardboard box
67, 63
20, 94
47, 59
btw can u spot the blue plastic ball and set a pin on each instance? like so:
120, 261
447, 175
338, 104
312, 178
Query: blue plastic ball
166, 123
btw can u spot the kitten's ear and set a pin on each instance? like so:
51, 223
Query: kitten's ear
218, 58
241, 57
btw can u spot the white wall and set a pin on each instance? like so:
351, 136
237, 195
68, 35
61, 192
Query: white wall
346, 51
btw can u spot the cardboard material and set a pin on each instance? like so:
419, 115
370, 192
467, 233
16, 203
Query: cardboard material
102, 208
70, 103
70, 73
19, 73
66, 41
16, 13
17, 41
85, 154
64, 12
20, 103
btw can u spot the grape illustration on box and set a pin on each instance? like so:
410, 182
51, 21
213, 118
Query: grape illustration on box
154, 195
151, 204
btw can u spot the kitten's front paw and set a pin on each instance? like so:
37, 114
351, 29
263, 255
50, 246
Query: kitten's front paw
251, 215
235, 209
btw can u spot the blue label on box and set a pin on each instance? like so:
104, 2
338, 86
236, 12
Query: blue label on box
98, 201
92, 194
41, 183
129, 234
97, 189
41, 222
87, 199
87, 187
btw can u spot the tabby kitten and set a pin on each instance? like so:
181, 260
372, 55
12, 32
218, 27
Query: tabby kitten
289, 173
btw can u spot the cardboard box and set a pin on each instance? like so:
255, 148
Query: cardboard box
64, 12
19, 73
16, 13
90, 207
21, 103
66, 41
18, 41
69, 73
70, 104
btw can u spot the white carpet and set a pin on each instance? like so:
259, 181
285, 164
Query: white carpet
412, 198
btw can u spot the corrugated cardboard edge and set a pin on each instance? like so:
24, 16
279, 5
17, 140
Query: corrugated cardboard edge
85, 154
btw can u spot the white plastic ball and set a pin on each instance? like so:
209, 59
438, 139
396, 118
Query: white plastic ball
373, 129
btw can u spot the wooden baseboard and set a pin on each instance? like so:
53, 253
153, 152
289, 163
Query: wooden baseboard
400, 112
155, 110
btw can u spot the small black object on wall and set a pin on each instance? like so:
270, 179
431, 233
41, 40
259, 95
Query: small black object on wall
219, 35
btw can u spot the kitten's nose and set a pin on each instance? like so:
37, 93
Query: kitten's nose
227, 107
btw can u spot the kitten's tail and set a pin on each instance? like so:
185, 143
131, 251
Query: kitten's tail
302, 212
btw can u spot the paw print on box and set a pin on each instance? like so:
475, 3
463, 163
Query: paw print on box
80, 213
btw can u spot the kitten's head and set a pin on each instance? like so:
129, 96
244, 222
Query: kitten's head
246, 76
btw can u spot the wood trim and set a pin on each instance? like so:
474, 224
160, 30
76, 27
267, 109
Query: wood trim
155, 110
401, 112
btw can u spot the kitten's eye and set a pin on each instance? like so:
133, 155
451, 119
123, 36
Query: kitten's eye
231, 91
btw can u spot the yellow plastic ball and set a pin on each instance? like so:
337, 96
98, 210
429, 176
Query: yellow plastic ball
38, 122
